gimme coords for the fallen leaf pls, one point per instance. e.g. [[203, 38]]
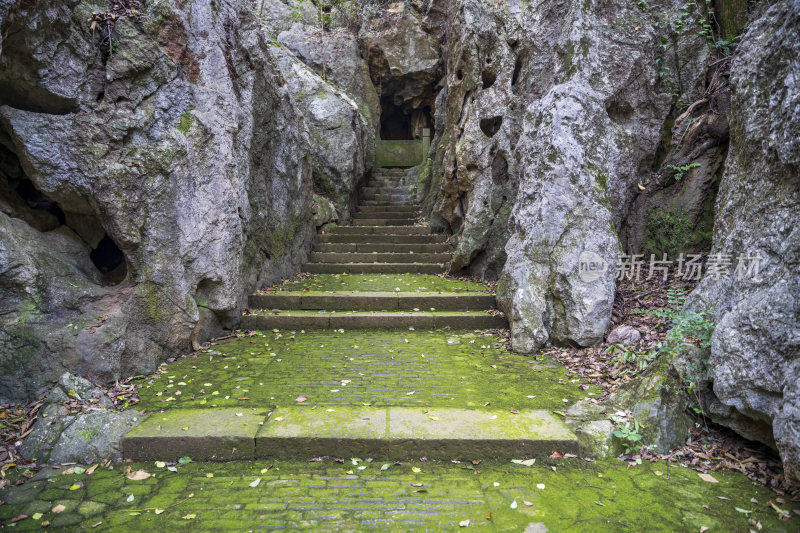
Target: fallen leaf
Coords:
[[514, 504], [158, 511], [185, 460], [58, 509], [416, 470], [75, 486], [91, 470], [463, 523], [209, 475], [527, 504], [37, 516], [703, 529], [300, 399], [556, 455], [540, 486], [160, 464], [18, 518], [255, 483], [139, 475], [130, 498], [97, 523], [191, 516], [708, 477]]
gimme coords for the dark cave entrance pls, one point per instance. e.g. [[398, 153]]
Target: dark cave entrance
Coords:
[[403, 122], [20, 199]]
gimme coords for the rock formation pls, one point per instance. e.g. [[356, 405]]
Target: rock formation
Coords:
[[752, 379], [150, 180]]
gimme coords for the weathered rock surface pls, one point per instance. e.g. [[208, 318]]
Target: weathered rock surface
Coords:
[[173, 175], [754, 367], [625, 335], [93, 435], [550, 117]]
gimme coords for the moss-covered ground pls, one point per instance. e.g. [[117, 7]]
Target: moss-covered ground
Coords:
[[380, 283], [561, 495], [459, 369]]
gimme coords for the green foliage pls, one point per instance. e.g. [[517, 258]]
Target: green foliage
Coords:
[[625, 354], [630, 436], [667, 231], [681, 170]]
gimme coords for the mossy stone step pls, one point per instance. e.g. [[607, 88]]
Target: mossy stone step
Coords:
[[385, 221], [389, 215], [373, 268], [383, 189], [367, 202], [384, 433], [364, 238], [384, 197], [318, 320], [388, 209], [372, 301], [420, 283], [380, 230], [356, 257], [384, 248]]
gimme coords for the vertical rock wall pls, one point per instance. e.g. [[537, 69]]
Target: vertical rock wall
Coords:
[[171, 146], [752, 377], [550, 117]]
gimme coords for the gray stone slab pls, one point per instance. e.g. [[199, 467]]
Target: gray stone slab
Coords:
[[219, 434]]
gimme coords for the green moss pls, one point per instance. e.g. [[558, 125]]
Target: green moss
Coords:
[[154, 304], [562, 495], [186, 122], [457, 369], [380, 283]]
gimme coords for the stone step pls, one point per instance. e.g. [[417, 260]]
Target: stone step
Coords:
[[363, 229], [383, 189], [377, 238], [323, 319], [385, 203], [372, 301], [384, 248], [382, 433], [373, 268], [356, 257], [385, 221], [393, 198], [410, 209], [383, 215]]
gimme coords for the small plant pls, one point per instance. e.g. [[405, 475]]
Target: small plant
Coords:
[[624, 354], [681, 170], [630, 436]]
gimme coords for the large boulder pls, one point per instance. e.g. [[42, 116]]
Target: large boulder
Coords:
[[149, 182], [549, 120], [754, 366]]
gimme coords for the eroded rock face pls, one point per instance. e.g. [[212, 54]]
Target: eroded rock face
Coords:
[[754, 365], [550, 117], [174, 177]]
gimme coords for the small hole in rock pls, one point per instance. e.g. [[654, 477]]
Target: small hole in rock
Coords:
[[517, 69], [490, 126], [460, 75], [100, 96], [488, 77], [110, 260]]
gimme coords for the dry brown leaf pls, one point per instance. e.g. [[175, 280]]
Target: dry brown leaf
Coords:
[[708, 477], [139, 475], [59, 509]]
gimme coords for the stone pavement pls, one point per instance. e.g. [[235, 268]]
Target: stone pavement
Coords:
[[357, 495]]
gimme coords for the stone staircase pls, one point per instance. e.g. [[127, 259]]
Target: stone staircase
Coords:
[[372, 356], [385, 237]]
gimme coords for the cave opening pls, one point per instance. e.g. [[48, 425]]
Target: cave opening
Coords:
[[109, 260], [403, 122], [21, 199]]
